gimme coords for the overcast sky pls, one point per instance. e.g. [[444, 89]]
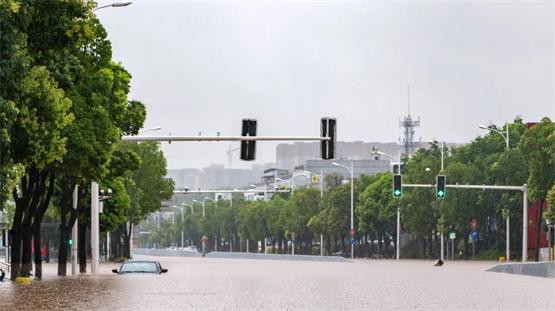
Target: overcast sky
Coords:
[[202, 66]]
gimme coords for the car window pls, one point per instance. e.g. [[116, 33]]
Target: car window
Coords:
[[139, 267]]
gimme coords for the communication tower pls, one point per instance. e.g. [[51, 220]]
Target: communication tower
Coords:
[[408, 124]]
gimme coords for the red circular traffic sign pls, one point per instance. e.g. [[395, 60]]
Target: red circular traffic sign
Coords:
[[474, 224], [352, 232]]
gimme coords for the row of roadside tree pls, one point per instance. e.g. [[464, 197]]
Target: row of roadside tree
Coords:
[[63, 109], [300, 218]]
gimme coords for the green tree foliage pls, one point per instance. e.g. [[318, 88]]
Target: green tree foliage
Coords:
[[536, 146]]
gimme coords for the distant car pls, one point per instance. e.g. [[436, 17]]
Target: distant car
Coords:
[[190, 249], [140, 266]]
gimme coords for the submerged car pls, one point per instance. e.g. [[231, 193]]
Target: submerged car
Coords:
[[140, 266]]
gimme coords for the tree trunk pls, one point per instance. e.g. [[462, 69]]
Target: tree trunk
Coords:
[[15, 239], [126, 237], [343, 248], [380, 244], [62, 250], [27, 251], [68, 216], [82, 247], [465, 248], [32, 188], [37, 219], [372, 251], [538, 229], [38, 251]]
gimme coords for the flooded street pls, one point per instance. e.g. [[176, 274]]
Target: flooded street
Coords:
[[239, 284]]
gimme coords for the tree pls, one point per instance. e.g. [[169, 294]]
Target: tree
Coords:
[[535, 145], [147, 186], [36, 144], [376, 211]]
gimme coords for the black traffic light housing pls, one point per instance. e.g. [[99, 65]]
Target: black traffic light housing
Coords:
[[328, 129], [440, 186], [248, 147], [397, 185]]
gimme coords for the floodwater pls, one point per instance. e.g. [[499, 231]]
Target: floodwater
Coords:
[[241, 284]]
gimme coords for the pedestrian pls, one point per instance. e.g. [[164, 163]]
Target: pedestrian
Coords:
[[203, 241]]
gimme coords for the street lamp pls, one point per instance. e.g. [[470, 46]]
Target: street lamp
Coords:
[[504, 135], [182, 205], [156, 128], [202, 202], [113, 5], [397, 158], [190, 206], [441, 148], [506, 138], [352, 231]]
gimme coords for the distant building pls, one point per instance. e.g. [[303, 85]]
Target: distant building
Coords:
[[269, 176], [295, 155], [289, 156], [188, 177], [218, 177]]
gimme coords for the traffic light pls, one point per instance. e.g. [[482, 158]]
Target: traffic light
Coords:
[[328, 129], [70, 242], [248, 147], [440, 186], [397, 186]]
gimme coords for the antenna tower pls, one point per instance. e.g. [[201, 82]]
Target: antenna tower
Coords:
[[408, 124]]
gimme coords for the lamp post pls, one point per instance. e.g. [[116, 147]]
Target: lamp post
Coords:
[[507, 224], [113, 5], [352, 205], [203, 205], [398, 237], [441, 148], [156, 128], [95, 224], [181, 208]]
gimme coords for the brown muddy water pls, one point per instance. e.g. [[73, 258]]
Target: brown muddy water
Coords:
[[241, 284]]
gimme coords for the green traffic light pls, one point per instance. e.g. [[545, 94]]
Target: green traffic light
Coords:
[[70, 242], [440, 194], [397, 185]]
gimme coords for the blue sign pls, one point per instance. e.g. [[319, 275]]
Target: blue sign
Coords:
[[474, 235], [353, 241]]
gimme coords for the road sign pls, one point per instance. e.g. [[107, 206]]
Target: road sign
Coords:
[[474, 236], [353, 241], [452, 235], [474, 224], [352, 232]]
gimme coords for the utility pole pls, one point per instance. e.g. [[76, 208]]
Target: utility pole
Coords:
[[321, 198]]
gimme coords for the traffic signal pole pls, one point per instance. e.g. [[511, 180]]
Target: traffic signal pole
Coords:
[[171, 139], [523, 189]]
